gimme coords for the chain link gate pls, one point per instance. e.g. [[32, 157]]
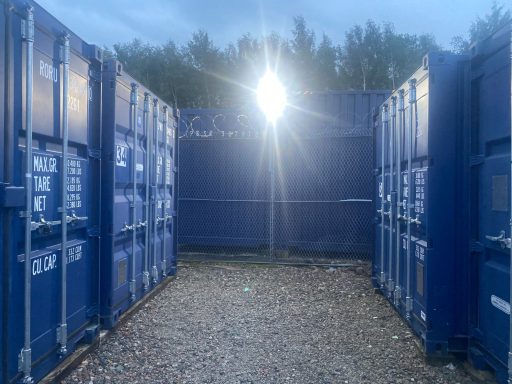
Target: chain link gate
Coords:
[[300, 192]]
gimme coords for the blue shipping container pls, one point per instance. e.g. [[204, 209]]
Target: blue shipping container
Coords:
[[138, 192], [490, 203], [50, 304], [420, 263]]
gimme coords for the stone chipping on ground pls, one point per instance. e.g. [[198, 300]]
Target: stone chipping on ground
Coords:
[[247, 324]]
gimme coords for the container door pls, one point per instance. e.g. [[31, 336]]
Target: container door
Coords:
[[46, 256], [129, 195], [491, 202]]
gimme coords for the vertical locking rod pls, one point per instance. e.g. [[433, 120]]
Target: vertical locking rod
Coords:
[[510, 269], [391, 134], [25, 358], [410, 206], [62, 334], [134, 101], [400, 134], [385, 121], [156, 216], [145, 121], [166, 190]]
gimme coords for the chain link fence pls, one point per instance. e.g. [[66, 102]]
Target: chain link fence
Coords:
[[300, 192]]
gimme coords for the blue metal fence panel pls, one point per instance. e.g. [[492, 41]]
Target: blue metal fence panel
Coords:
[[324, 176], [433, 273], [319, 159], [137, 213], [224, 181], [81, 247], [490, 199]]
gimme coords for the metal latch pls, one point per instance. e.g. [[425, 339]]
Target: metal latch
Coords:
[[505, 242], [74, 218], [141, 224], [159, 219], [127, 228], [415, 221], [42, 225]]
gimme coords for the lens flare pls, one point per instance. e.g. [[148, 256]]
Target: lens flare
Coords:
[[271, 96]]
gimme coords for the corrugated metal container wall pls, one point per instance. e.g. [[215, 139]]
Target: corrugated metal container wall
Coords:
[[137, 192], [324, 174], [428, 284], [224, 180], [490, 203], [60, 307]]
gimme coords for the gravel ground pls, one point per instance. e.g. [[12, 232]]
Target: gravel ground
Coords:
[[230, 324]]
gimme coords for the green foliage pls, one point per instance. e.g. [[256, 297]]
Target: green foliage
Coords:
[[199, 74], [482, 28], [326, 63], [379, 58], [303, 52]]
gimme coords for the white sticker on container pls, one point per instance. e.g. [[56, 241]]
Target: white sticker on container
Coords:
[[121, 155], [501, 304], [423, 316], [139, 167]]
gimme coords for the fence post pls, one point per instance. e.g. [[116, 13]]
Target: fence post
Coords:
[[272, 140]]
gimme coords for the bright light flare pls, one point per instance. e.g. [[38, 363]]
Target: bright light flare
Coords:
[[271, 96]]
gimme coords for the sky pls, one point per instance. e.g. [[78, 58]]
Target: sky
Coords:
[[106, 22]]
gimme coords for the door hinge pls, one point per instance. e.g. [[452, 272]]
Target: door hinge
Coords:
[[476, 247], [93, 232], [476, 160], [95, 153], [95, 75]]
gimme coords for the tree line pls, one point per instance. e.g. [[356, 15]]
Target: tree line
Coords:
[[201, 75]]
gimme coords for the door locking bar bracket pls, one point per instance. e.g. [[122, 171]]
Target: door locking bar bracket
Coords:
[[505, 242]]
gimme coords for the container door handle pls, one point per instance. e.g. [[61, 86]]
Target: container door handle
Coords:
[[416, 221], [141, 224], [42, 225], [74, 218], [505, 242], [127, 228]]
